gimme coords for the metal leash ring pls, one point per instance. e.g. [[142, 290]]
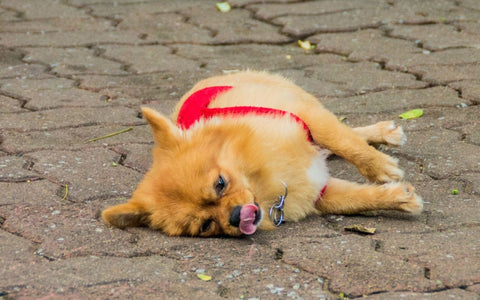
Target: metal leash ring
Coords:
[[276, 211]]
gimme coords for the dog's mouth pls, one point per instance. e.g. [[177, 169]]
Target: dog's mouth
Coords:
[[246, 218]]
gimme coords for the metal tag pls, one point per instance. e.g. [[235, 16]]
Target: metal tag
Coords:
[[276, 211]]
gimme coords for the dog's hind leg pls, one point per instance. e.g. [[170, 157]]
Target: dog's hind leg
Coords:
[[345, 197], [385, 132], [340, 139]]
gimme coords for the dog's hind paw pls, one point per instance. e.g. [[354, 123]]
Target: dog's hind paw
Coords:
[[392, 134], [406, 199]]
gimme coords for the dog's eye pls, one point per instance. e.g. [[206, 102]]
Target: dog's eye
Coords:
[[206, 225], [220, 185]]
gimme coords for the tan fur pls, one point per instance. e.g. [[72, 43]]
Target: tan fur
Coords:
[[255, 154]]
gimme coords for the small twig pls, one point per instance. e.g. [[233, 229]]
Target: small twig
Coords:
[[66, 192], [110, 135]]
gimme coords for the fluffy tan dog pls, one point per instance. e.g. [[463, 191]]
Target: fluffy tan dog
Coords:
[[239, 142]]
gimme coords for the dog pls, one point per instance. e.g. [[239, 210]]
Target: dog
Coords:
[[247, 151]]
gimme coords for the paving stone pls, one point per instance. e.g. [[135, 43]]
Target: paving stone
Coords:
[[242, 3], [16, 251], [73, 138], [235, 27], [397, 54], [369, 44], [269, 11], [393, 101], [427, 12], [51, 93], [159, 27], [469, 27], [165, 86], [436, 36], [24, 71], [260, 57], [16, 169], [443, 153], [36, 192], [353, 267], [56, 24], [449, 257], [348, 20], [122, 289], [137, 156], [471, 133], [470, 89], [445, 74], [474, 288], [53, 119], [8, 15], [348, 79], [89, 174], [443, 210], [62, 230], [47, 9], [69, 39], [59, 276], [117, 9], [437, 117], [73, 61], [9, 57], [149, 59], [9, 105], [471, 179], [443, 295]]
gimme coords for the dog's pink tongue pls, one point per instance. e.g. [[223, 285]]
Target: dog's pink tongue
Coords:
[[247, 218]]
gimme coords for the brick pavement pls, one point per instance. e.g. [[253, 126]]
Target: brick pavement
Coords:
[[73, 70]]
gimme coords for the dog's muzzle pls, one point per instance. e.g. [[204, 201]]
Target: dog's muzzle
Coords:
[[246, 218]]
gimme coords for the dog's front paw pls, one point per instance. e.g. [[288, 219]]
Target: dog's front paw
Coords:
[[405, 198], [381, 168], [392, 134]]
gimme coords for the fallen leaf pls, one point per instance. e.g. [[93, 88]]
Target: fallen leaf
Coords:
[[223, 7], [361, 229], [412, 114], [204, 277], [305, 45]]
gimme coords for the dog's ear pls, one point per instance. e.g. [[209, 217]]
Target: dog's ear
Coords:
[[126, 215], [165, 133]]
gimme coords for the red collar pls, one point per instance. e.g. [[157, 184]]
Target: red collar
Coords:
[[196, 108]]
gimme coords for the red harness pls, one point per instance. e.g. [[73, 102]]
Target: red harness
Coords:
[[195, 108]]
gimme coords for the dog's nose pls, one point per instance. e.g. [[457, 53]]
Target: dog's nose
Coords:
[[235, 216]]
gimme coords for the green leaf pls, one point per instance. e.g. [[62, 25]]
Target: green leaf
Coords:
[[412, 114], [204, 277], [223, 7]]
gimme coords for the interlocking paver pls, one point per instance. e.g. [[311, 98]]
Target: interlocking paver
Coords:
[[90, 174], [149, 59], [437, 36], [8, 104], [159, 27], [68, 117], [74, 70], [73, 138], [39, 191]]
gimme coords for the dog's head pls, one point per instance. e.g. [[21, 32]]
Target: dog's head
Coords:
[[198, 185]]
